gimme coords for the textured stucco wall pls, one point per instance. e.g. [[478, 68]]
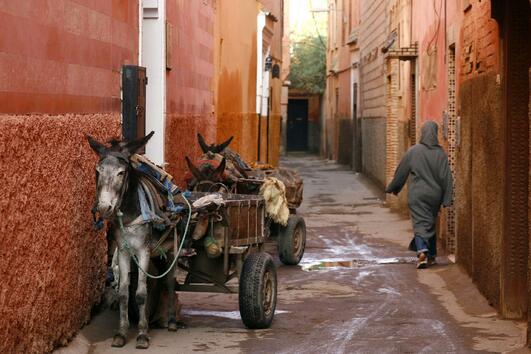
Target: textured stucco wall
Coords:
[[190, 94], [480, 187], [52, 264], [373, 149]]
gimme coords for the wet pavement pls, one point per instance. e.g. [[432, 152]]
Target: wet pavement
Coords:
[[355, 291]]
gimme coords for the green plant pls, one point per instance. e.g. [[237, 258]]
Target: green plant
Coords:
[[308, 64]]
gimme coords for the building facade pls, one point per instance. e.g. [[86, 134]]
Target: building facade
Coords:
[[372, 35], [61, 67], [464, 65], [342, 79], [248, 52]]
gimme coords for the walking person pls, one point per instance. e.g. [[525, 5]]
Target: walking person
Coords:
[[431, 186]]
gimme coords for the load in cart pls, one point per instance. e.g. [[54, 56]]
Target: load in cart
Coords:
[[223, 170]]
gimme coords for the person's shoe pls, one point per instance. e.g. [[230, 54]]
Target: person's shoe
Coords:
[[422, 262], [431, 261]]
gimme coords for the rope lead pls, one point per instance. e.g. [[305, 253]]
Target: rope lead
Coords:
[[125, 245]]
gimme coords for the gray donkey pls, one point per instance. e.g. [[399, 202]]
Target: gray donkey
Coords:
[[117, 196]]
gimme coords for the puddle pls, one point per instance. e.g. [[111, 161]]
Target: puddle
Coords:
[[232, 315], [336, 264]]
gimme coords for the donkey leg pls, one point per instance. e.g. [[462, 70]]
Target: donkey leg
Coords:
[[124, 264], [170, 284], [142, 341]]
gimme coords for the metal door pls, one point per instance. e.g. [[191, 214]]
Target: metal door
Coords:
[[134, 82], [297, 131]]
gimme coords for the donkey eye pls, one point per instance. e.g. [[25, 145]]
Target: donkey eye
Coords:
[[121, 173]]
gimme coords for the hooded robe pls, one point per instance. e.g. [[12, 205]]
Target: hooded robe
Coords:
[[431, 183]]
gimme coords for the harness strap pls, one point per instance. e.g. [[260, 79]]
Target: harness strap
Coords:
[[146, 209]]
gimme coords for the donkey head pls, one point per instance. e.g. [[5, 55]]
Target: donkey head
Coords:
[[113, 171], [217, 149], [207, 172]]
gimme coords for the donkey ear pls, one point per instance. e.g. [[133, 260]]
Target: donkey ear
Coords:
[[195, 171], [202, 143], [98, 147], [135, 145], [219, 148], [218, 172]]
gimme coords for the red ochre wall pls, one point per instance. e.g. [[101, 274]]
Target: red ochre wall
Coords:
[[59, 79], [235, 85], [189, 82]]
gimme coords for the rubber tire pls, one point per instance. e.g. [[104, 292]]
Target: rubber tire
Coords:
[[252, 284], [286, 251]]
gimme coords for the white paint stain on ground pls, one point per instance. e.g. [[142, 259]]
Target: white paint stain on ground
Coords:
[[388, 260], [362, 275], [390, 291], [232, 315]]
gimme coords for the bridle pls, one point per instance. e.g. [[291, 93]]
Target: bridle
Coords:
[[98, 220], [211, 185]]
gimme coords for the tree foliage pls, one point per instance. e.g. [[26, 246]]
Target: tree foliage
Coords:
[[308, 64]]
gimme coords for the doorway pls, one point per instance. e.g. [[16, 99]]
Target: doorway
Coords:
[[356, 130], [515, 243], [297, 130]]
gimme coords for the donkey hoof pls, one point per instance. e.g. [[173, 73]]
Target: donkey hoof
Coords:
[[174, 325], [142, 341], [118, 340]]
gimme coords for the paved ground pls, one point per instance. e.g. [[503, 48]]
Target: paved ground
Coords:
[[356, 291]]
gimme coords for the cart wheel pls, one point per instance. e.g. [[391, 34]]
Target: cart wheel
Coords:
[[292, 240], [258, 291]]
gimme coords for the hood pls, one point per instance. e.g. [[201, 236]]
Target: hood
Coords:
[[428, 135]]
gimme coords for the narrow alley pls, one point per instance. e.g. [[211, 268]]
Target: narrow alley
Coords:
[[355, 291], [250, 176]]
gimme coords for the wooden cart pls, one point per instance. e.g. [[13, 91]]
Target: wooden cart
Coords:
[[242, 267], [290, 239]]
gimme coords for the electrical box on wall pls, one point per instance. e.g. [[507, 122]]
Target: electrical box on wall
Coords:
[[150, 8], [134, 81]]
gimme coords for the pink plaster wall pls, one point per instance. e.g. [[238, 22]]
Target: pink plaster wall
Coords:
[[59, 78], [429, 23], [65, 55]]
